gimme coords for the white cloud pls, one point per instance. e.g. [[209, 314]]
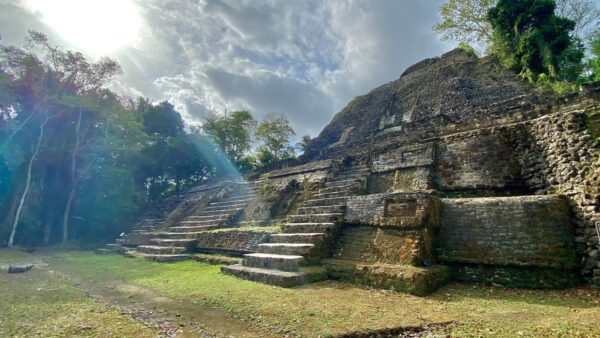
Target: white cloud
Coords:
[[305, 59]]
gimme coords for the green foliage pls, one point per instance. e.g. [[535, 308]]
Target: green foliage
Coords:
[[274, 132], [594, 62], [161, 119], [465, 21], [108, 158], [303, 144], [530, 38], [232, 133], [467, 48]]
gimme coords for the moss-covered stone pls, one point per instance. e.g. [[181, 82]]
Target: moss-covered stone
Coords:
[[514, 276], [402, 278]]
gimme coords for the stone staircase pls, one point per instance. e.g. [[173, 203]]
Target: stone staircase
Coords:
[[291, 258], [155, 215], [176, 242]]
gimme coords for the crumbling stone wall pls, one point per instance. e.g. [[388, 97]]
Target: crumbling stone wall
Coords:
[[404, 224], [281, 191], [521, 230], [557, 155], [232, 242], [475, 161], [523, 241]]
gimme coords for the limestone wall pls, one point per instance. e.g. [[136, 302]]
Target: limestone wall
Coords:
[[234, 242], [524, 241], [554, 154], [522, 231], [480, 162], [401, 228], [557, 155]]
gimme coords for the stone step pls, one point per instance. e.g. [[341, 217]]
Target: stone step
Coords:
[[161, 250], [310, 237], [179, 235], [273, 261], [214, 215], [347, 189], [231, 201], [321, 209], [173, 242], [238, 198], [331, 194], [346, 176], [326, 201], [166, 258], [301, 249], [194, 228], [226, 208], [354, 171], [217, 212], [241, 193], [201, 223], [343, 182], [324, 227], [315, 218], [279, 278]]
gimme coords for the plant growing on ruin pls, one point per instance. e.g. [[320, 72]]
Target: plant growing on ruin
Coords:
[[530, 38]]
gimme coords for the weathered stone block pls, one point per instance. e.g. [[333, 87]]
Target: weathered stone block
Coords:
[[516, 276], [405, 157], [408, 179], [522, 231], [233, 242], [483, 162], [402, 278], [393, 210]]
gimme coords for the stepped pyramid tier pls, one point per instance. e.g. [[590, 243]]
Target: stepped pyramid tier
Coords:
[[187, 229], [308, 235], [459, 170]]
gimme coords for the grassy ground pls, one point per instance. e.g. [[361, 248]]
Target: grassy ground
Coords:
[[332, 308], [40, 303]]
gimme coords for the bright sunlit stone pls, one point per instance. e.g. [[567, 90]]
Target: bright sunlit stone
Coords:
[[96, 26]]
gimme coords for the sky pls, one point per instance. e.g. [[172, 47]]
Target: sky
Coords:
[[304, 59]]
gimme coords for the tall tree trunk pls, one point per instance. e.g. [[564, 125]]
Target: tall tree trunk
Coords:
[[27, 182], [18, 129], [71, 197], [47, 231]]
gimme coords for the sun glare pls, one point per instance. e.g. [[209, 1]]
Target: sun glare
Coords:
[[97, 26]]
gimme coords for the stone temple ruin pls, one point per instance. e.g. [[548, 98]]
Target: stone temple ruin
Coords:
[[456, 171]]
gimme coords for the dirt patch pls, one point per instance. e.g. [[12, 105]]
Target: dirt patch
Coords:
[[171, 317]]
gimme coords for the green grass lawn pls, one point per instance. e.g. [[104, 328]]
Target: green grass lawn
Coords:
[[330, 308], [40, 303]]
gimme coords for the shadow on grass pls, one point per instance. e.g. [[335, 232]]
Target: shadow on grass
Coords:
[[577, 297]]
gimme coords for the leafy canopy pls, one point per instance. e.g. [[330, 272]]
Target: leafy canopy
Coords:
[[274, 132], [232, 133], [530, 38]]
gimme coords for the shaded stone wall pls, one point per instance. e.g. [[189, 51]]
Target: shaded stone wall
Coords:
[[281, 191], [523, 241], [522, 231], [557, 155], [375, 245], [476, 161], [230, 241], [403, 226]]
